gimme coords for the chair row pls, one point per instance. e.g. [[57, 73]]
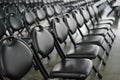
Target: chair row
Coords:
[[30, 39]]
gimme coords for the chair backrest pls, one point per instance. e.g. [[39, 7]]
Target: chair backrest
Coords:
[[85, 14], [33, 13], [42, 41], [71, 23], [14, 22], [78, 17], [80, 20], [60, 29], [29, 17], [91, 11], [97, 13], [15, 58], [95, 9], [57, 9], [49, 10], [40, 13]]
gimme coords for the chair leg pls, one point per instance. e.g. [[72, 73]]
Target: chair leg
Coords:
[[107, 53], [104, 63], [97, 73], [108, 42], [113, 32], [111, 37]]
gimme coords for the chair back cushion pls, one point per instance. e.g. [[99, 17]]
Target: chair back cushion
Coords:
[[15, 58], [42, 41]]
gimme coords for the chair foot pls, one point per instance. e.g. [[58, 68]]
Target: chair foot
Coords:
[[113, 33]]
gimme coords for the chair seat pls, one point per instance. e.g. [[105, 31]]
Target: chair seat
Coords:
[[98, 32], [105, 22], [85, 51], [107, 30], [72, 69], [108, 18], [93, 39], [102, 26]]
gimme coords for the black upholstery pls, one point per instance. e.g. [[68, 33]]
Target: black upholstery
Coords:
[[78, 17], [57, 9], [30, 20], [49, 10], [16, 58], [88, 51], [33, 14], [72, 68], [74, 29], [15, 23], [85, 14], [60, 29], [42, 45], [29, 17], [71, 23], [40, 13], [92, 39]]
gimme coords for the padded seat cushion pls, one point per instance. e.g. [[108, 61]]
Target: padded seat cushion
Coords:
[[72, 68], [102, 26], [105, 22], [98, 32], [108, 18], [85, 51], [93, 39]]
